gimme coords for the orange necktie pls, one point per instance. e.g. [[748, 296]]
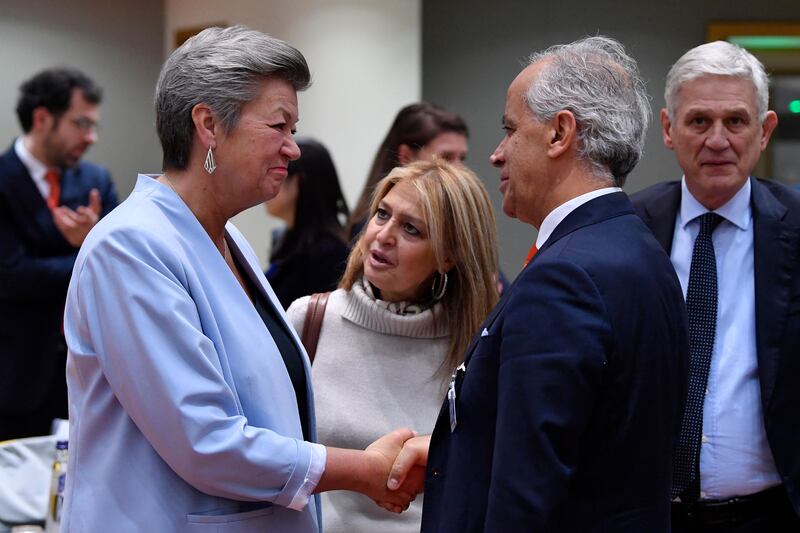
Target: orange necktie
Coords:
[[531, 253], [53, 199]]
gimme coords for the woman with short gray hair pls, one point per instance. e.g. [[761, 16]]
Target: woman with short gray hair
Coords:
[[190, 400]]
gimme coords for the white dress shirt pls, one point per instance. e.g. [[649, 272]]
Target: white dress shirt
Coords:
[[735, 458], [36, 168], [554, 218]]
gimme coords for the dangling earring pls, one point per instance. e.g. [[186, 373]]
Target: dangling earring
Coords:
[[210, 165], [438, 292]]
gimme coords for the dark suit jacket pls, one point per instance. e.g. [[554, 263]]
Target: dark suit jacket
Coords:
[[35, 267], [776, 248], [571, 401]]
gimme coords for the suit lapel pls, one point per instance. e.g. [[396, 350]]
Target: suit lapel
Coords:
[[262, 286], [595, 210], [660, 215], [592, 212], [495, 312], [31, 207], [774, 245], [25, 193], [72, 194]]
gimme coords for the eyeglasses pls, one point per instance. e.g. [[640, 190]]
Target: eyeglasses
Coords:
[[85, 124]]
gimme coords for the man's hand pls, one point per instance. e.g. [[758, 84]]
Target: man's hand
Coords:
[[75, 225], [413, 457], [383, 453]]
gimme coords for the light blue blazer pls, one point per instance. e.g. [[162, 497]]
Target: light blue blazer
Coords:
[[183, 416]]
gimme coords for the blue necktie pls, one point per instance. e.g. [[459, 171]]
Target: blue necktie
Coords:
[[701, 307]]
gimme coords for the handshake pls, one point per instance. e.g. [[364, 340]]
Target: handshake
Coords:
[[390, 471]]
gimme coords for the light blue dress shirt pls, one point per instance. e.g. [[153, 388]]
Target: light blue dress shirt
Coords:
[[735, 458]]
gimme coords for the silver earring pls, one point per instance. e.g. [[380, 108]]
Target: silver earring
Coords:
[[441, 280], [210, 165]]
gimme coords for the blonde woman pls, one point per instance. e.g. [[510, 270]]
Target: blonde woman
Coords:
[[418, 283]]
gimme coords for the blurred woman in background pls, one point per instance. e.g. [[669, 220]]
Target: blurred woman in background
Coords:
[[418, 284], [311, 253], [419, 131]]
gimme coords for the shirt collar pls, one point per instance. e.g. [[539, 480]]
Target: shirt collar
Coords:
[[554, 218], [36, 168], [736, 210]]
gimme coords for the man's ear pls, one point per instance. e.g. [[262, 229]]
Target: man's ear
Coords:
[[42, 119], [406, 154], [563, 131], [205, 124], [767, 127], [666, 128]]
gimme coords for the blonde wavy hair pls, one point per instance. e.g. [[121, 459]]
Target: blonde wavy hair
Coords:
[[461, 227]]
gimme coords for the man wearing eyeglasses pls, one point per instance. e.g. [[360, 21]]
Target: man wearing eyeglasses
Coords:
[[49, 200]]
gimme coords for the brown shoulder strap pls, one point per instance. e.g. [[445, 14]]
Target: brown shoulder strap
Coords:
[[313, 323]]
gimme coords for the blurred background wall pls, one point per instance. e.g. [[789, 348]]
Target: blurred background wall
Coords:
[[368, 58], [472, 51], [117, 43]]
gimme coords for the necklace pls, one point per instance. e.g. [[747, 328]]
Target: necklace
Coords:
[[224, 250]]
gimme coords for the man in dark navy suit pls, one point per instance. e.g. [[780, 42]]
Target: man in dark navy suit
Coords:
[[741, 466], [565, 415], [49, 200]]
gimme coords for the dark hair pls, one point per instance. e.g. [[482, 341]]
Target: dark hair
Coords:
[[52, 89], [415, 125], [320, 202], [223, 68]]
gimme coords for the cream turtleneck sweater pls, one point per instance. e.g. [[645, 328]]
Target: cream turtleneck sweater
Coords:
[[375, 370]]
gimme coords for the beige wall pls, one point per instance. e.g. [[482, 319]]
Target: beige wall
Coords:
[[365, 59], [117, 43], [473, 51]]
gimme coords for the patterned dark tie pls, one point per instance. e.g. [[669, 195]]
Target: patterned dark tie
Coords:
[[701, 306]]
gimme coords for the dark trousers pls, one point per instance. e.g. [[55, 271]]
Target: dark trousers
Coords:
[[766, 512], [39, 421]]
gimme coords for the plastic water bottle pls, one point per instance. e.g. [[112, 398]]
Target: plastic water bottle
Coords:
[[57, 485]]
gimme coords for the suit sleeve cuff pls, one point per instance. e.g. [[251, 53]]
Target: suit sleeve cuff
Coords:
[[315, 469]]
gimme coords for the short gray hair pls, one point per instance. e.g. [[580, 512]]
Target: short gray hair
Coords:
[[719, 58], [596, 80], [223, 68]]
